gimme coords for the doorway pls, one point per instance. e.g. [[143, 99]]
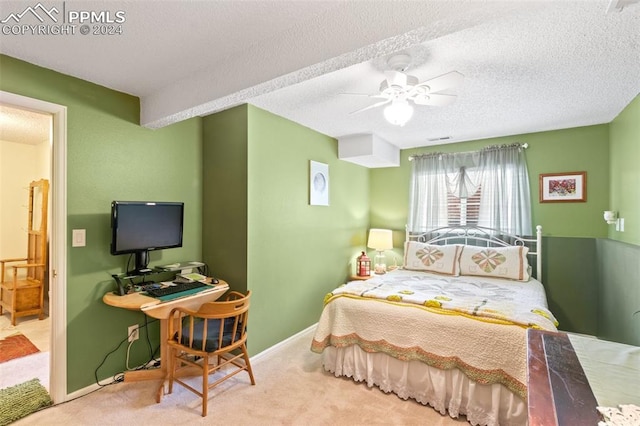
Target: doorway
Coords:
[[57, 234], [25, 157]]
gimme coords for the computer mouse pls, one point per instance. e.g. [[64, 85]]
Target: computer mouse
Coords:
[[214, 281]]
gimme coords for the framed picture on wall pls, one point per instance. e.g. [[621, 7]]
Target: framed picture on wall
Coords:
[[570, 187], [318, 184]]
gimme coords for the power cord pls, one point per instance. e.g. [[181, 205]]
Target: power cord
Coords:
[[152, 360], [119, 377]]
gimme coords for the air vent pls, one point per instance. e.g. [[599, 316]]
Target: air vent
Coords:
[[443, 138]]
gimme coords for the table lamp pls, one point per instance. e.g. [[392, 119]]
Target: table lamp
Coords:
[[380, 240]]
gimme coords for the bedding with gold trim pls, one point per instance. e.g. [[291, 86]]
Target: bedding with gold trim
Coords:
[[456, 343]]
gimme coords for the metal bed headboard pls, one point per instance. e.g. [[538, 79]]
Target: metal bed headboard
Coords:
[[483, 237]]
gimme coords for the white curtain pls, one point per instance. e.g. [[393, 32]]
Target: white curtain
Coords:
[[428, 193], [506, 199], [501, 172]]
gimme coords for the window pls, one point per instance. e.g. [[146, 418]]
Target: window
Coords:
[[463, 210], [488, 188]]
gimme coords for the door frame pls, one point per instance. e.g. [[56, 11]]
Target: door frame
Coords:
[[57, 261]]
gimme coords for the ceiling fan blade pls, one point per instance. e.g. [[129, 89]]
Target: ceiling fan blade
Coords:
[[396, 78], [377, 104], [377, 95], [435, 99], [450, 80]]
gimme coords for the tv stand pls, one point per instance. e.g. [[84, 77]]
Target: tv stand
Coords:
[[142, 261], [140, 272], [123, 287], [126, 281], [180, 266]]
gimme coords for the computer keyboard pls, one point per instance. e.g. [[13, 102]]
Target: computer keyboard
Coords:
[[176, 288]]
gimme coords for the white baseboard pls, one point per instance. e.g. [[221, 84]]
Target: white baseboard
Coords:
[[270, 349], [82, 392]]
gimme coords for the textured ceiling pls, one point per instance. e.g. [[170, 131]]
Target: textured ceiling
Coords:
[[23, 126], [528, 66], [549, 68]]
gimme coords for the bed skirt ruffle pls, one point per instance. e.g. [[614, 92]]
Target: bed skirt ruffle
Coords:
[[448, 391]]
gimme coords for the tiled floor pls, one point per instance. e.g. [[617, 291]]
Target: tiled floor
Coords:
[[32, 366], [38, 331]]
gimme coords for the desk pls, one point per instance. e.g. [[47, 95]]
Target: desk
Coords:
[[156, 308], [570, 375]]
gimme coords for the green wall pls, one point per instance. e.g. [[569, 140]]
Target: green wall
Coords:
[[570, 272], [619, 292], [297, 252], [624, 197], [224, 225], [260, 233], [109, 156], [619, 295], [578, 149], [571, 281], [247, 213]]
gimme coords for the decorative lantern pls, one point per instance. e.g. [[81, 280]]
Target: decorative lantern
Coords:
[[363, 265]]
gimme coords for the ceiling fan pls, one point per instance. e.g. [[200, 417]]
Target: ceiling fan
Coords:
[[401, 90]]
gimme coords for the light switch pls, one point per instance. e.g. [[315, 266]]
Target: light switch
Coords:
[[79, 238]]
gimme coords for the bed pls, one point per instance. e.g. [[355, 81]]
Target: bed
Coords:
[[448, 328]]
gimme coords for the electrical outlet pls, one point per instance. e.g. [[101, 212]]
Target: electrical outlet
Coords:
[[134, 333]]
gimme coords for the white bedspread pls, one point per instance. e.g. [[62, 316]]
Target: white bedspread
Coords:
[[487, 349], [486, 299]]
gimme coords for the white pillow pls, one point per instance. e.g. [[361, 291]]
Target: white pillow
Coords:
[[496, 262], [432, 258]]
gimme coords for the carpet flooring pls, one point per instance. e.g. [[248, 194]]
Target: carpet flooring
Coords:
[[16, 346], [291, 388]]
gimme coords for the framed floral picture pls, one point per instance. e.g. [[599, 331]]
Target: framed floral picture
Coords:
[[568, 187]]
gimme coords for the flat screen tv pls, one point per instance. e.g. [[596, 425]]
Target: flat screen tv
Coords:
[[137, 227]]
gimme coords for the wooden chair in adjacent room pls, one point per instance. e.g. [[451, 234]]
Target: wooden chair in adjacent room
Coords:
[[212, 339], [22, 280]]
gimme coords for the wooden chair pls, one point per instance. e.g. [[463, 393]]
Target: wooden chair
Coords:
[[216, 332], [22, 290]]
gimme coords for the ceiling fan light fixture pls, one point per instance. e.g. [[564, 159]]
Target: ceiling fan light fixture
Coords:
[[398, 113]]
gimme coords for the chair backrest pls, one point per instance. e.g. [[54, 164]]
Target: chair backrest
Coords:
[[215, 326], [37, 230]]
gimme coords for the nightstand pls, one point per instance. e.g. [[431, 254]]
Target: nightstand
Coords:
[[359, 278]]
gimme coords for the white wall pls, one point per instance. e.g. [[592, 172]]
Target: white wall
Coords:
[[19, 165], [43, 162]]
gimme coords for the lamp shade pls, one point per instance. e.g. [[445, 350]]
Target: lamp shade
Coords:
[[380, 239]]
